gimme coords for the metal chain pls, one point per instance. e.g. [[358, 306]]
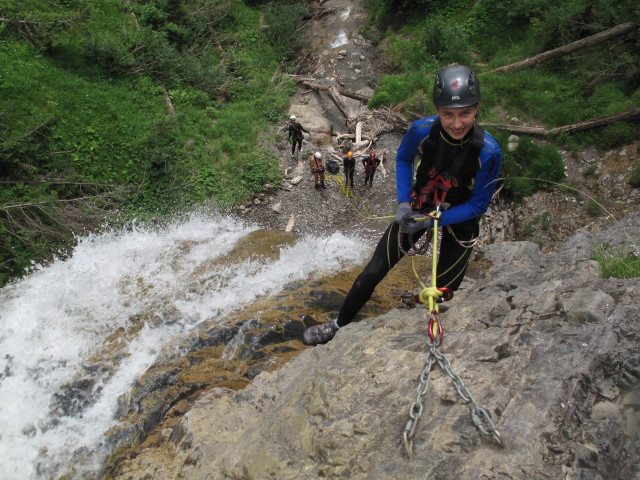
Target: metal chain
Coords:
[[479, 416]]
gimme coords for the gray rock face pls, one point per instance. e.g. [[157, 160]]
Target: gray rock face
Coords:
[[548, 348]]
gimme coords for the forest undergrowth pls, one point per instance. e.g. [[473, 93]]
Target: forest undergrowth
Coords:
[[116, 110]]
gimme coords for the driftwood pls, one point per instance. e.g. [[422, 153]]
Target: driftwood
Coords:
[[314, 85], [629, 114], [337, 100], [569, 48]]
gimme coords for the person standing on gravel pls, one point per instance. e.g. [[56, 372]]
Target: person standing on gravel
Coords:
[[295, 135], [316, 163], [458, 164], [349, 166], [370, 164]]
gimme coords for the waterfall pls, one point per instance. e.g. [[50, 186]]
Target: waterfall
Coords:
[[76, 334]]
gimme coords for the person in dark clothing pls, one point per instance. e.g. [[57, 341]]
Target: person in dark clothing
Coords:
[[295, 135], [458, 165], [349, 166], [370, 164]]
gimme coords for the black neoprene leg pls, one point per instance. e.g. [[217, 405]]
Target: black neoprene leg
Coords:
[[293, 147], [385, 256], [454, 258]]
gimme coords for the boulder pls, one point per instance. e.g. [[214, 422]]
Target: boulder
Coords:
[[543, 344]]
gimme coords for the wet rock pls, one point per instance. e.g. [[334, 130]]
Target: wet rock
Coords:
[[549, 375]]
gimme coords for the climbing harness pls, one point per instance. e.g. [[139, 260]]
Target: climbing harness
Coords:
[[432, 295]]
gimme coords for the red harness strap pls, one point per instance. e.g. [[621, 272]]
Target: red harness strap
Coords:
[[434, 193]]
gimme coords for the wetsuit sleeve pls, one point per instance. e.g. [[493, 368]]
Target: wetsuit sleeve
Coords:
[[483, 189], [406, 155]]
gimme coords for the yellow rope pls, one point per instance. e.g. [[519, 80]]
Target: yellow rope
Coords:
[[359, 204]]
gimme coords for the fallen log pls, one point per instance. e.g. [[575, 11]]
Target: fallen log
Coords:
[[629, 114], [569, 48], [515, 128], [337, 100], [314, 85]]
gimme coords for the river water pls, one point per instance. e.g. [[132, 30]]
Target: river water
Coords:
[[77, 333]]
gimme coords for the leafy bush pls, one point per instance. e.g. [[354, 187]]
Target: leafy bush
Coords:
[[280, 16], [394, 89], [446, 41], [531, 167]]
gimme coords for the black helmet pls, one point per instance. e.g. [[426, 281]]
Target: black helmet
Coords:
[[456, 86]]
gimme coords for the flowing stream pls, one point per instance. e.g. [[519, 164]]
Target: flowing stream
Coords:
[[99, 319]]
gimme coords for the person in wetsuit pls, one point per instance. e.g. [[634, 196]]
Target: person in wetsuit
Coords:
[[295, 135], [349, 166], [454, 154], [370, 164]]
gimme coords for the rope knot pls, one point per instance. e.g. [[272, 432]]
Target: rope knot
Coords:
[[429, 292]]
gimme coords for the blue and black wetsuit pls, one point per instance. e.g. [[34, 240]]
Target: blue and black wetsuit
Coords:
[[468, 202]]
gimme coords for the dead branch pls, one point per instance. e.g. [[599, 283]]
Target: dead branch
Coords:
[[629, 114], [569, 48], [314, 85], [167, 100]]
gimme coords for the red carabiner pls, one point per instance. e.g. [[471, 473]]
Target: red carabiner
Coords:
[[435, 338], [447, 293]]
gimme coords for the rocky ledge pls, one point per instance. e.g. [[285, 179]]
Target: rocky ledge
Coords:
[[544, 344]]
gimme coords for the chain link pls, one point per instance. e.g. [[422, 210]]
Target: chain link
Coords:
[[479, 416]]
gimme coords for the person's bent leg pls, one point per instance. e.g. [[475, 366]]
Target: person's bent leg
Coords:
[[454, 258], [385, 256]]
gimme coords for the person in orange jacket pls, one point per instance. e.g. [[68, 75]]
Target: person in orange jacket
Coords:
[[316, 163]]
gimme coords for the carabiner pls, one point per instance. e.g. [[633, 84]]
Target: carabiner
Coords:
[[435, 331], [447, 293]]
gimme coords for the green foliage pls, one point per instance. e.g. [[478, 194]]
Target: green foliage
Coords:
[[635, 176], [285, 40], [445, 40], [393, 89], [540, 224], [84, 127], [590, 171], [594, 208], [618, 263], [531, 167]]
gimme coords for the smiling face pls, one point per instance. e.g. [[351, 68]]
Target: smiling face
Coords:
[[457, 122]]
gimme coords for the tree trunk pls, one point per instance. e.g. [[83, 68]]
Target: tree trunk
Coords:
[[569, 48], [167, 100], [336, 98], [312, 84], [629, 114]]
